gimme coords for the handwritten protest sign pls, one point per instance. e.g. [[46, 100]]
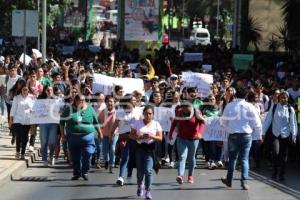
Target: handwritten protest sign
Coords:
[[199, 80], [214, 131], [163, 116], [193, 57], [45, 111], [106, 84]]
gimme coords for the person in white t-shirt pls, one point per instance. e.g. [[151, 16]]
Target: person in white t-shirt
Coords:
[[294, 91], [125, 117], [145, 131], [19, 120]]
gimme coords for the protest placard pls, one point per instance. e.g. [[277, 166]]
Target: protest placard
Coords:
[[45, 111], [163, 115], [105, 84], [201, 81], [2, 79], [207, 67], [214, 131], [242, 61], [193, 57]]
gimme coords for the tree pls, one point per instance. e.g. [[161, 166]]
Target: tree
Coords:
[[251, 32], [273, 43], [291, 16]]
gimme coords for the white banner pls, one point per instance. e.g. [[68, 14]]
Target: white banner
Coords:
[[214, 131], [163, 115], [45, 111], [141, 20], [105, 84], [193, 57], [201, 81]]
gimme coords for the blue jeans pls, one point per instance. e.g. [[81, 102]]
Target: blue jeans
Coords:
[[239, 145], [48, 135], [98, 142], [81, 147], [124, 159], [144, 165], [2, 105], [109, 149], [186, 150]]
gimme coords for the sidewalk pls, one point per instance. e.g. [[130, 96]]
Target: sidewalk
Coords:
[[9, 165]]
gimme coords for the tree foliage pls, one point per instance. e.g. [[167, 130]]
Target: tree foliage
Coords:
[[10, 5], [291, 16], [252, 32]]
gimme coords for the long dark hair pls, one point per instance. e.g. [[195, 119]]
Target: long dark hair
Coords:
[[14, 91], [43, 95]]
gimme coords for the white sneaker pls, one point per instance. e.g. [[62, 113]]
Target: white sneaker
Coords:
[[52, 161], [167, 159], [120, 181], [220, 164], [172, 164], [31, 149], [213, 165], [207, 165], [45, 163]]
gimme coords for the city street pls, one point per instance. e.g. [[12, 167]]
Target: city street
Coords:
[[54, 183]]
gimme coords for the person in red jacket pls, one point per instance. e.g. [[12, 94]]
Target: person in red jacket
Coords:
[[189, 125]]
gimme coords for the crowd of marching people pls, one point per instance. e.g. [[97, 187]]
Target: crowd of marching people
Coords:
[[118, 129]]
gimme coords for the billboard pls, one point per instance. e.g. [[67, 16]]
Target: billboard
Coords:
[[31, 23], [141, 20]]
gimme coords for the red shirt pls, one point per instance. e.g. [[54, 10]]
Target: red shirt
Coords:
[[189, 129]]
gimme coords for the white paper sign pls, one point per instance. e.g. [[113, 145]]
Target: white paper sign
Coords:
[[214, 131], [163, 115], [37, 53], [133, 65], [27, 59], [207, 67], [192, 57], [105, 84], [2, 79], [201, 81], [45, 111]]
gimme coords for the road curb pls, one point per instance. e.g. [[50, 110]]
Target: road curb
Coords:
[[16, 170]]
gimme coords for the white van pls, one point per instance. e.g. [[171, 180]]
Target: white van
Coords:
[[200, 36]]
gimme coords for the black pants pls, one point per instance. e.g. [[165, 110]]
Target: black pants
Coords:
[[21, 133], [280, 148], [256, 152]]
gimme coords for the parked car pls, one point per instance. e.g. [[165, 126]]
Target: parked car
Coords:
[[200, 36]]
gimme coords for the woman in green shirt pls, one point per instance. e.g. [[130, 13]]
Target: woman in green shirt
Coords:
[[79, 124]]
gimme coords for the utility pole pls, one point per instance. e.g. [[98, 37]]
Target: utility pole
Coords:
[[44, 30], [24, 38], [236, 18], [38, 37]]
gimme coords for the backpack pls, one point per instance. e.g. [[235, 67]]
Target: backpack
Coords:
[[269, 131]]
